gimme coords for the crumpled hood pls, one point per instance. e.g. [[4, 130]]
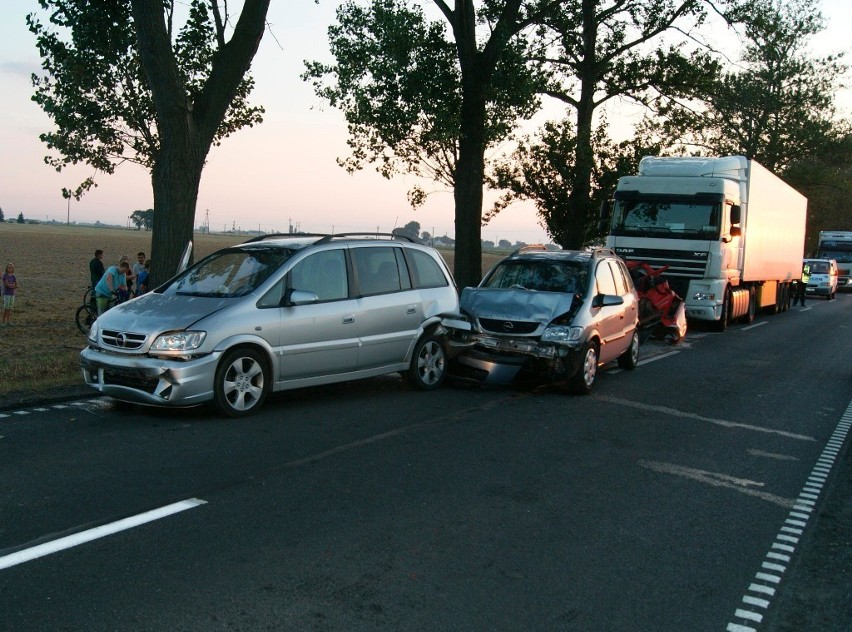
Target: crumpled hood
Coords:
[[156, 313], [525, 305]]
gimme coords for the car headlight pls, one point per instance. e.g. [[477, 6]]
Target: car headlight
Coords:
[[704, 296], [93, 333], [179, 341], [562, 333]]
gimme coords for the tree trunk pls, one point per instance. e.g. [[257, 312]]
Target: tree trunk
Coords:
[[176, 177], [468, 188]]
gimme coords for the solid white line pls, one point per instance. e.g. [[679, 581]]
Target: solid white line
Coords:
[[67, 542], [763, 322]]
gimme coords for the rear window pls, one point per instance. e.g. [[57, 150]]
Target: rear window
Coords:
[[427, 271]]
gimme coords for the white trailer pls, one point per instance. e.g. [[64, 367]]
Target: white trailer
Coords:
[[731, 233], [837, 245]]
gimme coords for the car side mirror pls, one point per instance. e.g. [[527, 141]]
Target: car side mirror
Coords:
[[294, 297], [606, 300]]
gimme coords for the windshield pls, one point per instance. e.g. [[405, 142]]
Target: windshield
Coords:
[[819, 267], [230, 273], [841, 256], [545, 276], [668, 216]]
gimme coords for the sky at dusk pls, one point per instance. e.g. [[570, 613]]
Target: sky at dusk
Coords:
[[269, 177]]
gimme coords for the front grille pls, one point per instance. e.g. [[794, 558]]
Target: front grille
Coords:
[[124, 340], [130, 378], [684, 265], [507, 327], [688, 264]]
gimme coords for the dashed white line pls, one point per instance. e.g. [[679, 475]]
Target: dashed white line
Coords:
[[798, 517]]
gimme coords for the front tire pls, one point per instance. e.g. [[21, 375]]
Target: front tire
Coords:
[[630, 358], [428, 367], [584, 380], [241, 383], [723, 322]]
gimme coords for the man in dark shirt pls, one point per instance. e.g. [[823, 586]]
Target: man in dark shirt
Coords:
[[96, 271]]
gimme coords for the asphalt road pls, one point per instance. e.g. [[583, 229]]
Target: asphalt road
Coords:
[[706, 490]]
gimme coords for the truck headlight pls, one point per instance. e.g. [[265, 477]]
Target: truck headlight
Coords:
[[179, 341], [704, 296], [562, 333]]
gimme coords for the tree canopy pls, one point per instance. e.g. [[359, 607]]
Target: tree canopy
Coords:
[[425, 97], [123, 82]]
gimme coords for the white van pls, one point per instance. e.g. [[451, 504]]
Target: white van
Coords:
[[823, 279]]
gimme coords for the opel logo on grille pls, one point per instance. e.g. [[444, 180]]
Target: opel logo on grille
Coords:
[[121, 340], [508, 326]]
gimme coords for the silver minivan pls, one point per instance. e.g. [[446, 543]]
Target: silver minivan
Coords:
[[273, 314]]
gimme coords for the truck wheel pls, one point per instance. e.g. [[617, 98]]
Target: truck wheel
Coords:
[[630, 358], [748, 317], [724, 321], [582, 382], [428, 364], [241, 383]]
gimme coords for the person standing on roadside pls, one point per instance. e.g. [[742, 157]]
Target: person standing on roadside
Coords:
[[142, 278], [96, 268], [96, 273], [125, 293], [802, 285], [138, 268], [10, 284], [112, 283]]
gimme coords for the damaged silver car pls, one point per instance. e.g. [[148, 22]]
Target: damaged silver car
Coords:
[[278, 312], [555, 316]]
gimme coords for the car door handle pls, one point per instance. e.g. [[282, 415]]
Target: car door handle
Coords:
[[348, 320]]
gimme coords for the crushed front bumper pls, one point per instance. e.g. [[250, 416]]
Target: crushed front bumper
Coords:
[[148, 380], [500, 360]]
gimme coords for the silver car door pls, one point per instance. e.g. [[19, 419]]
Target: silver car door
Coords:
[[610, 317], [319, 338], [389, 311]]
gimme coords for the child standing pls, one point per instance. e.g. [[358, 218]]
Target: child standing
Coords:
[[10, 284]]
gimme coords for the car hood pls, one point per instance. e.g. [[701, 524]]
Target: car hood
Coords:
[[526, 305], [155, 313]]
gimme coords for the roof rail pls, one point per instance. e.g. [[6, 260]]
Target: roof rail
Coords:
[[530, 248], [409, 238], [277, 235]]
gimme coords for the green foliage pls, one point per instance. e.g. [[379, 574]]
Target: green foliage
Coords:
[[143, 219], [21, 219], [543, 169], [592, 54], [825, 178], [778, 107], [397, 80], [94, 89]]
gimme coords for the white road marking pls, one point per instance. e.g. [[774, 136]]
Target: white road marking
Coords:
[[797, 518], [673, 412], [715, 479], [76, 539], [752, 326]]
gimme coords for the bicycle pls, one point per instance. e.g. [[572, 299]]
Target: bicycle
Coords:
[[87, 313]]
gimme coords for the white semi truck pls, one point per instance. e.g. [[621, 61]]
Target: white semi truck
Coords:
[[837, 245], [731, 233]]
